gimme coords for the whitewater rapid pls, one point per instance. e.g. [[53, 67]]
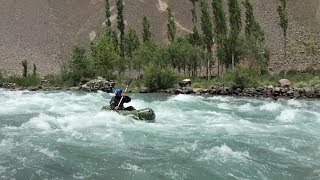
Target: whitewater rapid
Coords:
[[65, 135]]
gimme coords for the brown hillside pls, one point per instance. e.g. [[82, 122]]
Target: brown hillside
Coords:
[[43, 31]]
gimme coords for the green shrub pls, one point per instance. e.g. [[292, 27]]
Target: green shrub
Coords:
[[27, 81], [156, 78], [54, 80], [79, 67], [241, 78]]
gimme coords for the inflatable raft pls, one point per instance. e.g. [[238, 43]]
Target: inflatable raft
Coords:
[[146, 114]]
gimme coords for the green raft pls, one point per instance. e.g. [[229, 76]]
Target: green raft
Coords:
[[146, 114]]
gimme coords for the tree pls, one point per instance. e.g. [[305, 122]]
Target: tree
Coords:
[[255, 40], [132, 43], [145, 55], [195, 37], [235, 27], [112, 34], [25, 68], [183, 56], [104, 55], [283, 14], [108, 13], [206, 26], [121, 25], [171, 26], [146, 36], [34, 72], [220, 27], [79, 66]]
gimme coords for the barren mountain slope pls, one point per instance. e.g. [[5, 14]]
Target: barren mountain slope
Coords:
[[44, 31]]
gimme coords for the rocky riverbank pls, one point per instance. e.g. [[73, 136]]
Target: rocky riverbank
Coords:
[[86, 85], [283, 90]]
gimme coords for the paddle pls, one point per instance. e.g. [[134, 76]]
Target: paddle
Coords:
[[128, 83]]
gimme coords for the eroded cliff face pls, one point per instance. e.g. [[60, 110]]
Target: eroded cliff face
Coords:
[[44, 31]]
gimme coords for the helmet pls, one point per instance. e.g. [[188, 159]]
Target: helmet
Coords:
[[118, 91]]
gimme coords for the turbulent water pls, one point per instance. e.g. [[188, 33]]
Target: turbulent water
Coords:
[[65, 135]]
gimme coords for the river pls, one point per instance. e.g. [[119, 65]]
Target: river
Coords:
[[65, 135]]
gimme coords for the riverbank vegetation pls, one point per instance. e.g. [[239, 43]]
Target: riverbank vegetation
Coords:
[[225, 52]]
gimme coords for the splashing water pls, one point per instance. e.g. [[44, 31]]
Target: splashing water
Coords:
[[65, 135]]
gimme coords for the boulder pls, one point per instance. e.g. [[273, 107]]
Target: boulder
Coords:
[[284, 83], [97, 84], [270, 87], [180, 91], [276, 91], [213, 91], [185, 83], [296, 93], [34, 88], [189, 90], [317, 92], [74, 88], [198, 90], [144, 90], [309, 92], [10, 86]]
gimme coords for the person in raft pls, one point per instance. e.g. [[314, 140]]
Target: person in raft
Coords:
[[114, 103]]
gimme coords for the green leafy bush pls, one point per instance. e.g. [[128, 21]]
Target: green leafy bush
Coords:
[[156, 78]]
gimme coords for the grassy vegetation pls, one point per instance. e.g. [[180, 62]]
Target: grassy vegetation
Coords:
[[244, 78], [29, 80], [157, 78]]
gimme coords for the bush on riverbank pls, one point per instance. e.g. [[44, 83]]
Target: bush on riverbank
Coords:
[[28, 81], [156, 78], [246, 77], [78, 67]]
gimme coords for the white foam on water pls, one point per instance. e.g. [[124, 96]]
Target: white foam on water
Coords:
[[295, 103], [174, 174], [2, 169], [179, 149], [221, 98], [75, 122], [287, 115], [270, 106], [246, 107], [185, 98], [132, 167], [225, 106], [6, 145], [47, 152], [41, 122], [79, 175], [224, 153]]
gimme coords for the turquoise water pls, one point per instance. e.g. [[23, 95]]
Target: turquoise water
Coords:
[[64, 135]]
